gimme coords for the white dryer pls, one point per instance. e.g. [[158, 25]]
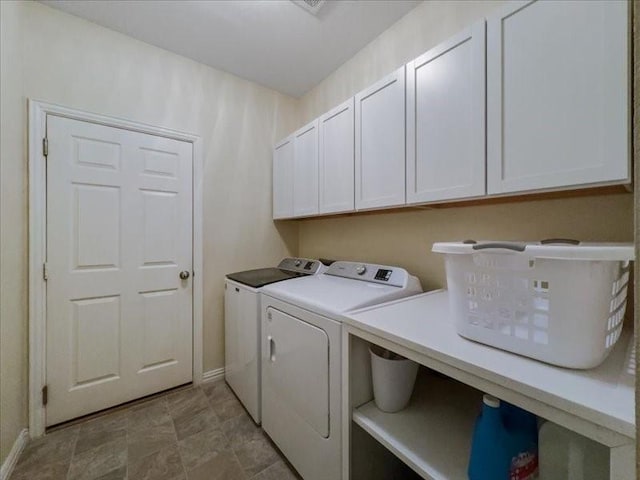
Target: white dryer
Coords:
[[301, 357], [242, 325]]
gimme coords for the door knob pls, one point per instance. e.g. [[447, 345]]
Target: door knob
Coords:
[[184, 274]]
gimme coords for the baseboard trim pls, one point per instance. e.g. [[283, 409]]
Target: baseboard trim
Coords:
[[213, 375], [12, 459]]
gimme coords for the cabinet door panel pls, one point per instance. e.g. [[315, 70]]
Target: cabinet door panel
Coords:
[[305, 170], [380, 143], [557, 98], [337, 159], [283, 179], [446, 120]]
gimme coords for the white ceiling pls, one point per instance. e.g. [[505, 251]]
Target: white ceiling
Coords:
[[271, 42]]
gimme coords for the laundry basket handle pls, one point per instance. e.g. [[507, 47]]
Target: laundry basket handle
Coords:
[[516, 247], [568, 241]]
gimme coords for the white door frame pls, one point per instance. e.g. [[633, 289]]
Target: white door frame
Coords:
[[38, 112]]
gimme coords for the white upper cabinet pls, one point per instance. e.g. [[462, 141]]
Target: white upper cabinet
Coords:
[[337, 159], [536, 99], [557, 95], [305, 170], [283, 179], [380, 143], [446, 120]]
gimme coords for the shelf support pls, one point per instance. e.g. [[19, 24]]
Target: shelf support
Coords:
[[623, 462]]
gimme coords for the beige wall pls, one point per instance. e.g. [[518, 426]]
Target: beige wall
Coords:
[[405, 238], [58, 58], [13, 235]]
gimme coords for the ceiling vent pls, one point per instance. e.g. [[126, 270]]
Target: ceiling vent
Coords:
[[311, 6]]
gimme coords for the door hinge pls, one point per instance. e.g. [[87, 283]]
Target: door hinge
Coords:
[[45, 272], [45, 146], [45, 395]]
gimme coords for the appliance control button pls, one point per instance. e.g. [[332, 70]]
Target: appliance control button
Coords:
[[361, 269], [298, 263]]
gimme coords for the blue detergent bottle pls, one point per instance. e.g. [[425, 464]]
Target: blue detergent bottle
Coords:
[[522, 442], [490, 458]]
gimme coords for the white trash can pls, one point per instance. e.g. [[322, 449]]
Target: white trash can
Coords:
[[393, 379]]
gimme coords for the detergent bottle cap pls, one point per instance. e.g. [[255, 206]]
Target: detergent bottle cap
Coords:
[[490, 401]]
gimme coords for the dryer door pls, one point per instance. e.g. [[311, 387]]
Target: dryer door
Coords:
[[296, 371]]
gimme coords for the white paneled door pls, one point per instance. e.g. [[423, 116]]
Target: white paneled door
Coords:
[[557, 95], [305, 170], [380, 143], [283, 179], [336, 159], [446, 120], [119, 264]]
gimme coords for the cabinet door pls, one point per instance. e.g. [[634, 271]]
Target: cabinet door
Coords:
[[305, 170], [283, 179], [380, 143], [337, 159], [557, 96], [446, 120]]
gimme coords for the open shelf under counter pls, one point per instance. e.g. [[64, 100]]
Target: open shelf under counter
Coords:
[[598, 403], [433, 434]]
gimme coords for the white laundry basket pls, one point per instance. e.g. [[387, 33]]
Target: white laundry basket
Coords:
[[559, 302]]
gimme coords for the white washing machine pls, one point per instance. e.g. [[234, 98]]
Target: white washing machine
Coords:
[[301, 357], [242, 325]]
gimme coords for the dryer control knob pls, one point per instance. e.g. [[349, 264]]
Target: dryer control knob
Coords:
[[361, 269], [298, 263]]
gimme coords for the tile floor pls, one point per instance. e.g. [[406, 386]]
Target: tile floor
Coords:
[[199, 433]]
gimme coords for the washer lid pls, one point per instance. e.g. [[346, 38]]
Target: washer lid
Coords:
[[287, 268], [262, 276]]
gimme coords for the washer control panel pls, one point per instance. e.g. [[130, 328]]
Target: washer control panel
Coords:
[[300, 265], [382, 274]]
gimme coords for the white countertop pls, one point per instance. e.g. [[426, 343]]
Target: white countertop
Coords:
[[603, 396]]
